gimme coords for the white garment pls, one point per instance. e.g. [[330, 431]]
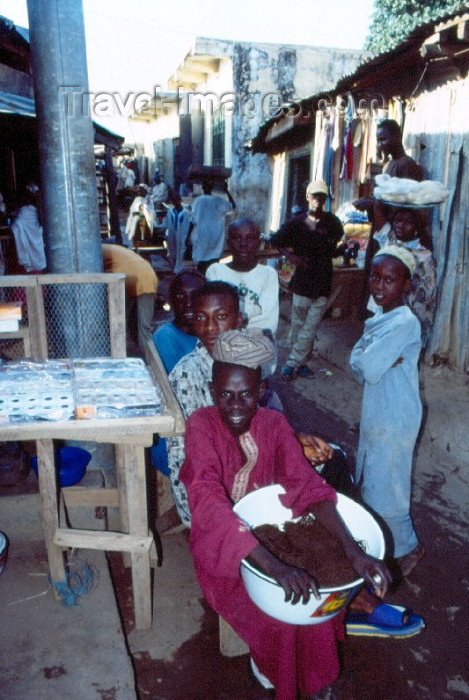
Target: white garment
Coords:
[[208, 237], [29, 239], [159, 193], [140, 205], [258, 292]]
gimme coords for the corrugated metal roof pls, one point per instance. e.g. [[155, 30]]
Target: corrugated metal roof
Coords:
[[368, 68], [16, 104], [25, 107]]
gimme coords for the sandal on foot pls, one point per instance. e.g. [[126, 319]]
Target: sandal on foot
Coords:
[[385, 621], [287, 373], [409, 561], [326, 693], [305, 372]]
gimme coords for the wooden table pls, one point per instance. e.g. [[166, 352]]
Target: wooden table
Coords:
[[130, 436]]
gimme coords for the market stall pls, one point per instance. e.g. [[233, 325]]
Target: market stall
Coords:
[[115, 400]]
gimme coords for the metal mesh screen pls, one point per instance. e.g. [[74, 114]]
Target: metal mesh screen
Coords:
[[76, 320]]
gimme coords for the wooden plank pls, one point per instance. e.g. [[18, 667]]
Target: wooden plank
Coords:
[[37, 322], [122, 487], [18, 281], [116, 310], [141, 587], [137, 511], [107, 541], [49, 507], [159, 372], [137, 430], [82, 496], [79, 278]]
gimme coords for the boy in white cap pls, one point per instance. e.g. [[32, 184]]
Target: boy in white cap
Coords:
[[385, 360], [233, 448], [309, 242]]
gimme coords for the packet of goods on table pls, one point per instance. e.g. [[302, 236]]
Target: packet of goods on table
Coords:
[[10, 316], [34, 390], [115, 388]]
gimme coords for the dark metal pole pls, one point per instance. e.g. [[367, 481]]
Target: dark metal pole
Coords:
[[68, 177]]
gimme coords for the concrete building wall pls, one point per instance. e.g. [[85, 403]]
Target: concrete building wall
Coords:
[[264, 77], [251, 81]]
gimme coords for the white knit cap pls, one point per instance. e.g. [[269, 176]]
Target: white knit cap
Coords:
[[401, 253]]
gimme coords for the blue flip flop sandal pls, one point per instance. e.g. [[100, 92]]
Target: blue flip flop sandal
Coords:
[[385, 621]]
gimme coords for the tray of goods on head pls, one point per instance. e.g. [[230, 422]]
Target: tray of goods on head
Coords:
[[409, 194]]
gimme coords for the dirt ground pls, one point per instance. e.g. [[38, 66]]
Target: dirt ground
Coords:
[[432, 664], [179, 658]]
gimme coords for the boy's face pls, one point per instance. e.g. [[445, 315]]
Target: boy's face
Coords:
[[404, 226], [243, 242], [182, 301], [236, 391], [388, 282], [215, 314]]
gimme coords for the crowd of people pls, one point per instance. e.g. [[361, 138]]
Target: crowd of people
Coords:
[[234, 442], [220, 353]]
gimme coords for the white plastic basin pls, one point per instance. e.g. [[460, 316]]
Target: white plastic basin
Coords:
[[263, 506]]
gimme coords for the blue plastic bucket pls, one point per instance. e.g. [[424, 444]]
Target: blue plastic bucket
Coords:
[[71, 464]]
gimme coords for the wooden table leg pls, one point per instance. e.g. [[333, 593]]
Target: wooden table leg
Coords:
[[137, 512], [49, 507]]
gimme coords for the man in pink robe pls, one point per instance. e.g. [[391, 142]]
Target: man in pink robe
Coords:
[[225, 460]]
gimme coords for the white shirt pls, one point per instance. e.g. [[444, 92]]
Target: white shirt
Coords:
[[208, 237], [258, 292]]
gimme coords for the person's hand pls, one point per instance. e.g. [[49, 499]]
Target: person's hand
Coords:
[[374, 571], [363, 203], [316, 450], [297, 260], [297, 583]]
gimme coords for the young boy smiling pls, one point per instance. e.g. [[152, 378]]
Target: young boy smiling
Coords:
[[233, 448], [385, 360], [257, 284]]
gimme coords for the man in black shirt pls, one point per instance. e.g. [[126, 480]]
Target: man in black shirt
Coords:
[[309, 241]]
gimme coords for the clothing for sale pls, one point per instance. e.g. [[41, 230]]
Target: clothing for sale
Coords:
[[177, 228], [317, 243], [208, 236], [290, 656], [385, 362], [189, 381], [258, 293]]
